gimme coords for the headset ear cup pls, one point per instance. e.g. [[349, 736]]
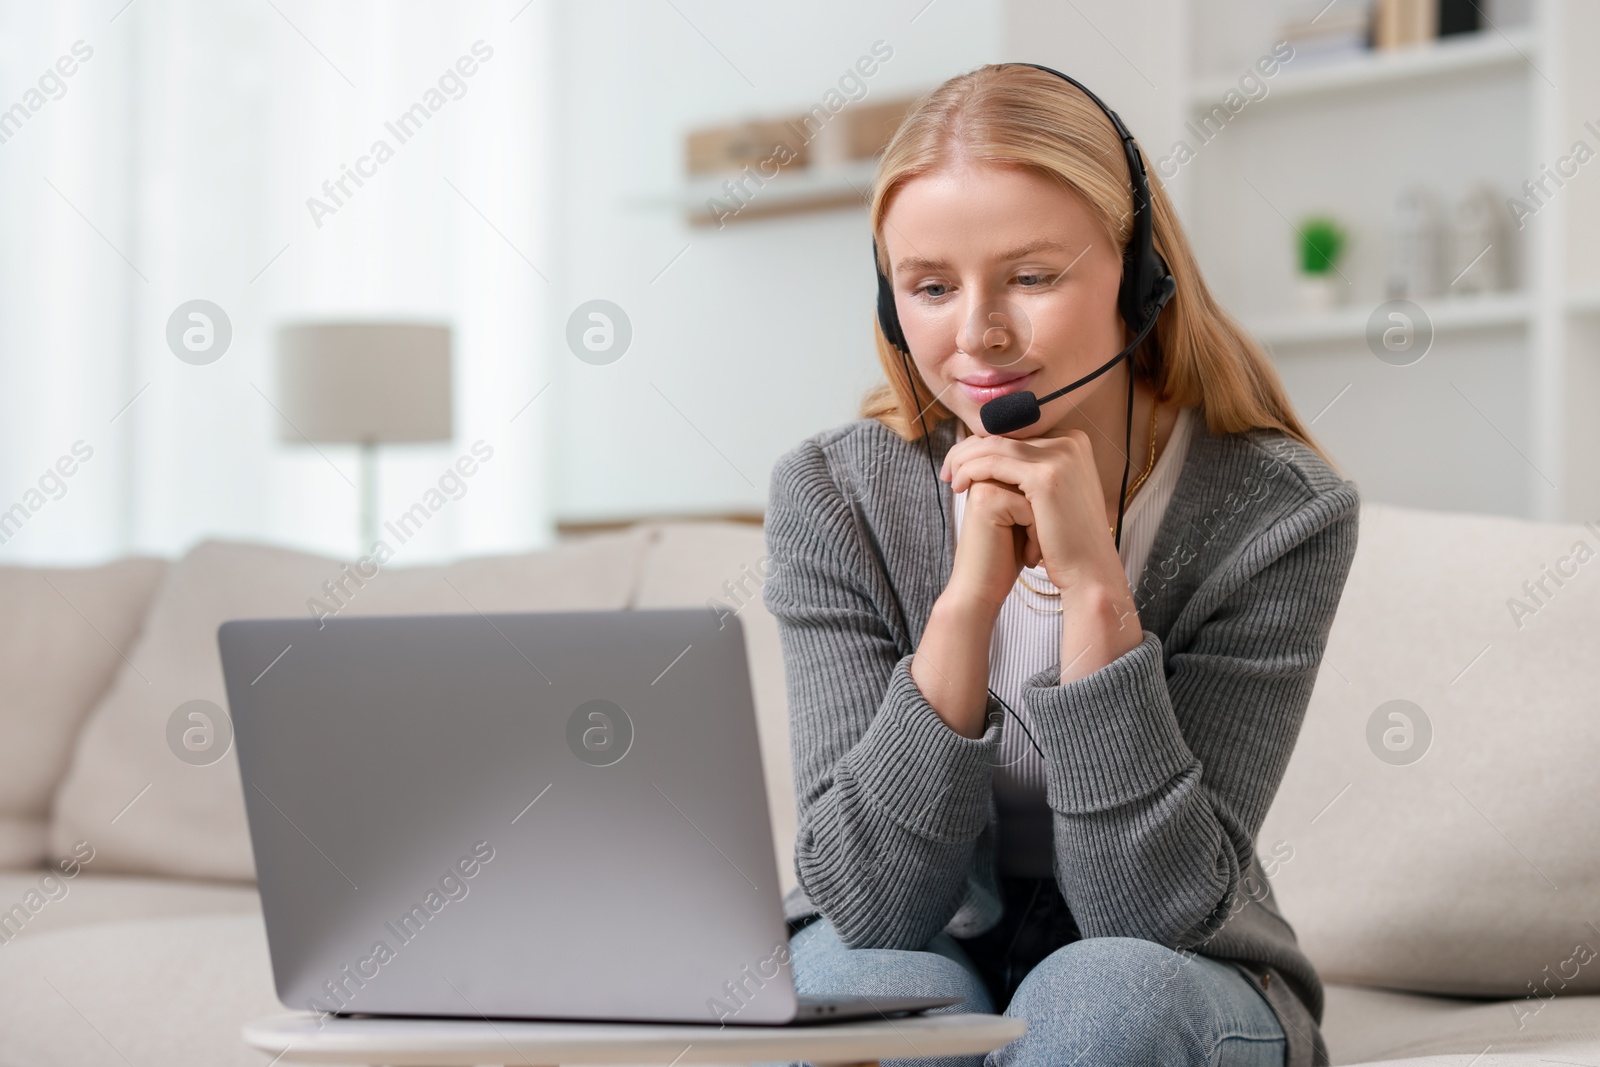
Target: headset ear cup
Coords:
[[1165, 286], [1143, 267], [888, 316], [1143, 280], [1131, 294]]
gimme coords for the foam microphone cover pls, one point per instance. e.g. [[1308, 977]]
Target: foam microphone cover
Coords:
[[1010, 412]]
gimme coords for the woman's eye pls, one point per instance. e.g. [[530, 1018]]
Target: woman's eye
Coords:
[[927, 290], [1036, 280]]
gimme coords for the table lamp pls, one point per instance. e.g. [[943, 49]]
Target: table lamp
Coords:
[[365, 383]]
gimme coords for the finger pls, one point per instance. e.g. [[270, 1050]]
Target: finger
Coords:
[[969, 447], [957, 452], [1032, 554], [984, 446], [1019, 511], [957, 461], [1026, 474], [1002, 505], [1030, 551], [1019, 544], [1050, 452], [954, 455]]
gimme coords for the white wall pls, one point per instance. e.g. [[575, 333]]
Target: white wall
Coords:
[[1131, 55], [66, 296], [757, 335], [178, 165]]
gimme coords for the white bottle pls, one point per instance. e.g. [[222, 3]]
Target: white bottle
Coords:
[[1478, 236], [1414, 246]]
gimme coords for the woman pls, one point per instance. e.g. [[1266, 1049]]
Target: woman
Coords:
[[1032, 751]]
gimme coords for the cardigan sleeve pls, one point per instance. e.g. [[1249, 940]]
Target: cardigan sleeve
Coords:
[[890, 800], [1159, 778]]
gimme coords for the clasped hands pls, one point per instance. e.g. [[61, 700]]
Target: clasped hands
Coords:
[[1031, 502]]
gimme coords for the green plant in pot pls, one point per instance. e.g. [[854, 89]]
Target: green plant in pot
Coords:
[[1322, 242]]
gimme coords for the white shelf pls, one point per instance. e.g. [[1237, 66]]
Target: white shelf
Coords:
[[1343, 135], [1584, 301], [802, 189], [1497, 311], [1481, 52]]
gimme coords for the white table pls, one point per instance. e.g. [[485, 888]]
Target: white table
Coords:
[[399, 1042]]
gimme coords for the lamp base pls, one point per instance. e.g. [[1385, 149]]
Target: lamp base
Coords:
[[369, 497]]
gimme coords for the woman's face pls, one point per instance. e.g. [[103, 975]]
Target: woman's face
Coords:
[[1004, 280]]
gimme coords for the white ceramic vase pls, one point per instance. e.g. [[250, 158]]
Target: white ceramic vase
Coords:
[[1319, 293]]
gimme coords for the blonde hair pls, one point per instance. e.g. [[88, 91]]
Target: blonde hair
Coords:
[[1014, 115]]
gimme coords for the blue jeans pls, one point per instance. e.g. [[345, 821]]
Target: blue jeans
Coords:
[[1103, 1000]]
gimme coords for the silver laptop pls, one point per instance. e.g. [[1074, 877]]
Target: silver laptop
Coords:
[[553, 815]]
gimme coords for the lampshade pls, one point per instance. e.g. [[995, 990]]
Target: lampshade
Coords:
[[370, 382]]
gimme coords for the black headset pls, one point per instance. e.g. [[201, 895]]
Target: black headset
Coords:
[[1147, 286]]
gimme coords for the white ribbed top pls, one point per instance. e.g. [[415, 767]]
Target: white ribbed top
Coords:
[[1027, 639]]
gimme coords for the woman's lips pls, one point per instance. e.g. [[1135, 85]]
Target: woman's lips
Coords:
[[981, 389]]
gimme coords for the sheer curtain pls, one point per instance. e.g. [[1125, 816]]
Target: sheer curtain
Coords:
[[284, 160]]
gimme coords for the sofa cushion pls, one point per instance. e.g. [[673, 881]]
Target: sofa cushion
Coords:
[[62, 638], [175, 991], [1446, 844], [721, 566], [1376, 1026], [146, 811], [39, 901], [158, 991]]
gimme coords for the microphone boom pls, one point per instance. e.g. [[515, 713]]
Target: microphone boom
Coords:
[[1013, 411]]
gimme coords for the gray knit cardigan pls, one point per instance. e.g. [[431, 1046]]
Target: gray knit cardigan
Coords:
[[1159, 767]]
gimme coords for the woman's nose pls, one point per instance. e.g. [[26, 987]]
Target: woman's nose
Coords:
[[996, 331]]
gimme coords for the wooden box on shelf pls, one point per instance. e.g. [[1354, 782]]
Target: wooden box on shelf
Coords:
[[725, 149], [812, 161], [869, 126]]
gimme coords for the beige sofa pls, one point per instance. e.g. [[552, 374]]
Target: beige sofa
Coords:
[[132, 933]]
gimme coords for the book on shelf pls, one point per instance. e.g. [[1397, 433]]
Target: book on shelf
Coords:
[[1405, 23], [1318, 30]]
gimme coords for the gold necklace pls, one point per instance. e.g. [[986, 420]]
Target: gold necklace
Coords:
[[1149, 465]]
